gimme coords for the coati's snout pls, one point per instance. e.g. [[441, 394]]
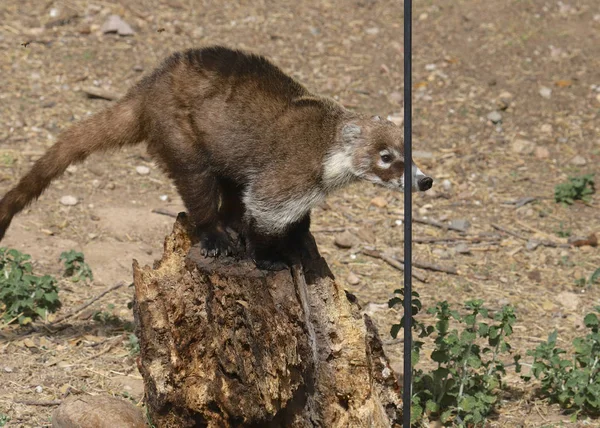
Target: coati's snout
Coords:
[[425, 184]]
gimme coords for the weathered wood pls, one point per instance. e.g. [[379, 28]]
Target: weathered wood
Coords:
[[225, 344]]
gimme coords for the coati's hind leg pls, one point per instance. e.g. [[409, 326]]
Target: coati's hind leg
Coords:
[[201, 193], [275, 252]]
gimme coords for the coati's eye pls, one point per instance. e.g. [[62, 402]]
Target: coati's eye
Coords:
[[386, 157]]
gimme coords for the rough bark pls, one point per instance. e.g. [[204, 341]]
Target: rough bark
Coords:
[[225, 344]]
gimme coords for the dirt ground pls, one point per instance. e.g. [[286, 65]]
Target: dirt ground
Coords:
[[534, 62]]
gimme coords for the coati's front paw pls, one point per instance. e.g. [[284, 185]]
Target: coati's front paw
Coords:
[[215, 243]]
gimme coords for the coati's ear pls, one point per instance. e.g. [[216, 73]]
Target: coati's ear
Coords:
[[350, 132], [376, 118]]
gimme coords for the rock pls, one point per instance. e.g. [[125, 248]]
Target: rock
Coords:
[[97, 412], [139, 68], [578, 161], [460, 224], [8, 369], [447, 185], [164, 198], [352, 279], [532, 244], [396, 118], [142, 170], [495, 117], [379, 202], [69, 200], [462, 248], [504, 100], [522, 146], [545, 92], [546, 128], [346, 240], [39, 389], [542, 152], [114, 24], [569, 301], [441, 254]]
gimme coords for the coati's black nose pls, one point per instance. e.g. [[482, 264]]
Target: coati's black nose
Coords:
[[425, 183]]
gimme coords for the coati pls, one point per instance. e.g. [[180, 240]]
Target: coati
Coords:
[[246, 145]]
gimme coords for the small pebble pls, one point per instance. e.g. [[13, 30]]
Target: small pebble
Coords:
[[495, 117], [578, 161], [115, 24], [142, 170], [379, 202], [39, 389], [523, 146], [462, 248], [8, 369], [545, 92], [462, 224], [164, 198], [532, 244], [447, 185], [346, 240], [69, 200], [352, 279], [110, 186]]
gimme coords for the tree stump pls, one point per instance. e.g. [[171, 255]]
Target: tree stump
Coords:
[[225, 344]]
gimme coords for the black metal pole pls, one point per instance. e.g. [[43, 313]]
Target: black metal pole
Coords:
[[408, 176]]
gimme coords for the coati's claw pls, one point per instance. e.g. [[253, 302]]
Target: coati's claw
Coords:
[[213, 244]]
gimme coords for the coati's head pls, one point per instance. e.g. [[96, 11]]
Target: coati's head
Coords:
[[372, 149]]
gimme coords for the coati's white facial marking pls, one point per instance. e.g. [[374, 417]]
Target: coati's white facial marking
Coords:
[[338, 169]]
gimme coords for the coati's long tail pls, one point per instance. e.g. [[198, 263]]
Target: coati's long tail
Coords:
[[115, 127]]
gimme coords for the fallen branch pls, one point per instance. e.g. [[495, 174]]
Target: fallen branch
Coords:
[[418, 264], [39, 403], [544, 242], [392, 262], [435, 223], [473, 239], [88, 303], [164, 212]]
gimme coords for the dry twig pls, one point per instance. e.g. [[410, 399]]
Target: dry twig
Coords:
[[164, 212], [39, 403], [392, 262], [88, 303]]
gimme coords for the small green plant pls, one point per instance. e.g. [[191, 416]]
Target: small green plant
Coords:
[[573, 382], [575, 188], [75, 266], [4, 419], [593, 279], [562, 233], [133, 344], [463, 388], [24, 296]]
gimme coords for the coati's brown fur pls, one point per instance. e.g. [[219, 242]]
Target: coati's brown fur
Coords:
[[246, 145]]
